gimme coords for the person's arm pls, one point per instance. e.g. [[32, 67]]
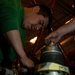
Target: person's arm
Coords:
[[55, 36], [14, 38], [67, 28]]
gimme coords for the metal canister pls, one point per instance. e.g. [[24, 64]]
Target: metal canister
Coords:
[[52, 61]]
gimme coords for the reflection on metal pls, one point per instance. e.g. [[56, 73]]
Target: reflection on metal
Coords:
[[67, 40], [72, 5], [33, 40], [69, 21], [68, 44], [51, 29]]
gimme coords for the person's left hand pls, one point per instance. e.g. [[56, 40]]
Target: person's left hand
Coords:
[[27, 62]]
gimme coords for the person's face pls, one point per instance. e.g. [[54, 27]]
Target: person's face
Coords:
[[35, 22]]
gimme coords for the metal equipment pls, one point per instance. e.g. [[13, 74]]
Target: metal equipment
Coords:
[[52, 61], [5, 71]]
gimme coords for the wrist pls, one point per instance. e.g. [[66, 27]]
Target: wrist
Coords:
[[22, 56]]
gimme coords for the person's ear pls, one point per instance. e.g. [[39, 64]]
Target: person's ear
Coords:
[[36, 9]]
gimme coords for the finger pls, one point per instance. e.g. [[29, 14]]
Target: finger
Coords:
[[47, 41]]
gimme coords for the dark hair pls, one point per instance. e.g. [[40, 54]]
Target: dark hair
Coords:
[[45, 11]]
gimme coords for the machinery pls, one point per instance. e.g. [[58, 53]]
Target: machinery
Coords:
[[52, 61]]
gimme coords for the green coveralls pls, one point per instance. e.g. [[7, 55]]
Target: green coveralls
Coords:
[[11, 17]]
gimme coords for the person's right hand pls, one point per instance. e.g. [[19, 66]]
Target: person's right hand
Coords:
[[53, 37], [27, 62]]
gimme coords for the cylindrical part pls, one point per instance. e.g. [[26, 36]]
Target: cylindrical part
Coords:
[[52, 53], [52, 57], [52, 61]]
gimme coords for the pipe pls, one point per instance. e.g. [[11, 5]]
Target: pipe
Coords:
[[74, 6], [65, 55], [53, 4], [67, 7], [37, 41]]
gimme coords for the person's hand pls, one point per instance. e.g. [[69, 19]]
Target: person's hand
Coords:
[[27, 62], [53, 37]]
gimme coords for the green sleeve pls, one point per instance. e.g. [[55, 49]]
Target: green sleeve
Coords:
[[8, 17]]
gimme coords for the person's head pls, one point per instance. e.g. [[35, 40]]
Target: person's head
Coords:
[[37, 17]]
